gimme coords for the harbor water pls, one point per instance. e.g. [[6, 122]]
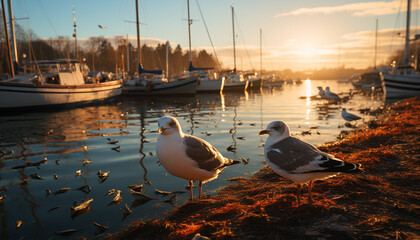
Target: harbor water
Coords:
[[67, 148]]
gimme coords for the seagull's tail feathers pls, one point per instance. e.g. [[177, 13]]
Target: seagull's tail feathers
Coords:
[[337, 165], [229, 162]]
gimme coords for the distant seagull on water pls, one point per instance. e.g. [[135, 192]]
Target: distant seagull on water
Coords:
[[299, 161], [321, 92], [187, 156], [330, 95], [349, 116]]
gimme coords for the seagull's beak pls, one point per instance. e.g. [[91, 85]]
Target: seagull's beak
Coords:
[[263, 132], [161, 130]]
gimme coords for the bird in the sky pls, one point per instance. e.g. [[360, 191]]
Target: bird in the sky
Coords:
[[299, 161], [102, 27], [349, 116], [187, 156]]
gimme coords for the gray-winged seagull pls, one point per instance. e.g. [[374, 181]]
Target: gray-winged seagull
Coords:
[[187, 156], [298, 160], [331, 95], [349, 116]]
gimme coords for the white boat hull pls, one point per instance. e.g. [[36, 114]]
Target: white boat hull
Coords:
[[210, 85], [235, 86], [396, 86], [185, 86], [15, 95]]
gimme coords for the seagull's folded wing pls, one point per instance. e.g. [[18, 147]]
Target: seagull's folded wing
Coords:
[[203, 153]]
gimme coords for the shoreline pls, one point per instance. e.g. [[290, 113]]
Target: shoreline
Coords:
[[381, 202]]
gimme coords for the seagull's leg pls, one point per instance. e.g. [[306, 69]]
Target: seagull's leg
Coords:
[[191, 190], [200, 184], [310, 192], [299, 187]]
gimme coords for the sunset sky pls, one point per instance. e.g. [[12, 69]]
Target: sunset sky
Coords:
[[299, 35]]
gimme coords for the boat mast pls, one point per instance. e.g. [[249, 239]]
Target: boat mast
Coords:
[[407, 33], [261, 53], [12, 31], [138, 34], [12, 71], [234, 47], [189, 29], [376, 44], [74, 34]]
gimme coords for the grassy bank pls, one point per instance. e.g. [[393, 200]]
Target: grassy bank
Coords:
[[380, 203]]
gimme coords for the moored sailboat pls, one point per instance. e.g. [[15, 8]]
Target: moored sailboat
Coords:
[[404, 80]]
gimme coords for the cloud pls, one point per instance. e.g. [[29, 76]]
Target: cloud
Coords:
[[356, 9]]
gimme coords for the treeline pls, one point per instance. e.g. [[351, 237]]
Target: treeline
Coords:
[[101, 55]]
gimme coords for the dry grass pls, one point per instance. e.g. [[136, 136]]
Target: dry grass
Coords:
[[380, 203]]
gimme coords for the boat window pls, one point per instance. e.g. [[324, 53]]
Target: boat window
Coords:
[[66, 67]]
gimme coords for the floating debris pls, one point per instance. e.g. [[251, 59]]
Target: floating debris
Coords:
[[150, 153], [127, 211], [67, 232], [241, 138], [162, 192], [306, 133], [85, 162], [53, 208], [60, 191], [57, 162], [100, 228], [117, 199], [24, 181], [55, 176], [137, 188], [117, 148], [36, 176], [18, 223], [81, 208], [112, 141], [84, 188], [252, 124], [102, 176], [111, 191], [245, 161], [231, 148]]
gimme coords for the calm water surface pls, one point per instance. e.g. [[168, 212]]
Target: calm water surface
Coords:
[[73, 135]]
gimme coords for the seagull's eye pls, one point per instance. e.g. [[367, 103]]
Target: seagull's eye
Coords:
[[172, 124]]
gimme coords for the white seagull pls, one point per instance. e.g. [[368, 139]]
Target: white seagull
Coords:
[[299, 161], [321, 92], [331, 95], [187, 156], [349, 116]]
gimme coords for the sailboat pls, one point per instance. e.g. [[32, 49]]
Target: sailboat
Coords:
[[51, 83], [207, 83], [157, 85], [403, 81], [233, 81]]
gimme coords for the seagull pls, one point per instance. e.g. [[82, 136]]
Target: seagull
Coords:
[[186, 156], [102, 27], [321, 92], [349, 116], [331, 95], [299, 161]]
